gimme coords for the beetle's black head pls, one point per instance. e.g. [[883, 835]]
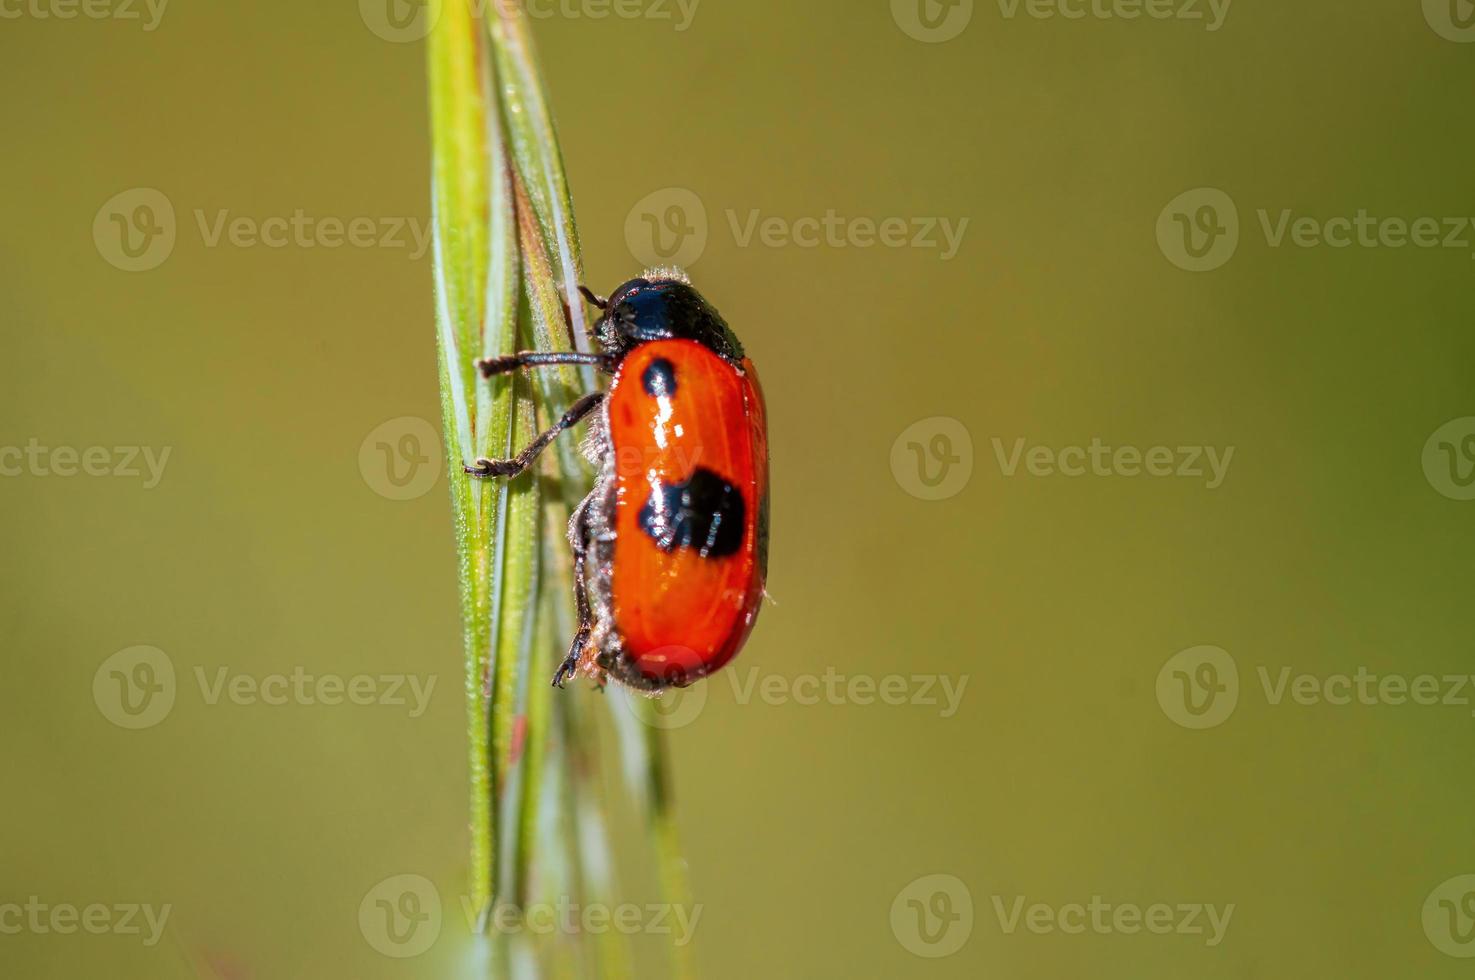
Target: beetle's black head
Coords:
[[664, 306]]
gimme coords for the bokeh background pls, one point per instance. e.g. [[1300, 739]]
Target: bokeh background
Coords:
[[901, 376]]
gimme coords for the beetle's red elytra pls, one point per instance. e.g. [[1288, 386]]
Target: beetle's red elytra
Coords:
[[671, 545]]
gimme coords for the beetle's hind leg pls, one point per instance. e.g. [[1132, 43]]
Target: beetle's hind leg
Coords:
[[579, 535], [484, 469]]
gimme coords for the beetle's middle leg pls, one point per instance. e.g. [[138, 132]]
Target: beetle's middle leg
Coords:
[[486, 468], [579, 533]]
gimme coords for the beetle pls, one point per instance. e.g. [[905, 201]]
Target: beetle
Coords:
[[671, 545]]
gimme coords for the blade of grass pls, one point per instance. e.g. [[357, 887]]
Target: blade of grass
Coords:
[[646, 762], [560, 386], [550, 248], [516, 626], [461, 206], [507, 268], [538, 708], [537, 156], [591, 822]]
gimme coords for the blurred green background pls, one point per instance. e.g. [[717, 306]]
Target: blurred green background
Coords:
[[1071, 766]]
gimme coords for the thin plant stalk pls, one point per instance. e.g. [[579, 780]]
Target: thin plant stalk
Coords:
[[507, 271]]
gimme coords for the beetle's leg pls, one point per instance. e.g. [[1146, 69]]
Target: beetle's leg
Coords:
[[493, 366], [485, 468], [579, 532]]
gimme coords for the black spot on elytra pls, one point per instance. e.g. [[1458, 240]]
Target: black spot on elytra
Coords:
[[704, 513], [659, 379]]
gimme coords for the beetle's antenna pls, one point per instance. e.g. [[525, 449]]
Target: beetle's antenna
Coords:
[[598, 301]]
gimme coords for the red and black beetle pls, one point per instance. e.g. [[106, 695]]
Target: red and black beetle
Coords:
[[670, 551]]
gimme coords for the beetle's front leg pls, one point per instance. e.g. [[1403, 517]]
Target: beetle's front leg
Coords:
[[493, 366]]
